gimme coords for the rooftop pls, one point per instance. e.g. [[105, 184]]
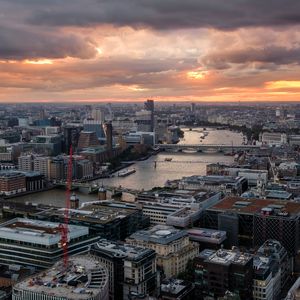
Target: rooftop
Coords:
[[159, 234], [38, 232], [225, 257], [252, 206], [123, 250], [84, 278], [207, 235]]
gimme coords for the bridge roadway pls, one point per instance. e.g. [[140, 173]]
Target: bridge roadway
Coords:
[[207, 147], [93, 187]]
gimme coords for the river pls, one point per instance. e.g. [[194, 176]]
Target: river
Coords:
[[148, 176]]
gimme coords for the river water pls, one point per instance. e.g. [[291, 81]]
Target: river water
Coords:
[[148, 176]]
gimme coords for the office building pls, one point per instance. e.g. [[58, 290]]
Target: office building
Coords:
[[85, 278], [130, 268], [98, 114], [87, 139], [25, 162], [228, 184], [108, 133], [149, 106], [41, 165], [176, 289], [257, 220], [36, 244], [172, 246], [207, 238], [143, 120], [223, 270], [179, 208], [94, 126], [272, 271]]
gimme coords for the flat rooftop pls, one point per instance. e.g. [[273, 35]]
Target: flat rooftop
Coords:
[[124, 250], [38, 232], [211, 179], [84, 278], [252, 206], [94, 213], [225, 257], [159, 234], [206, 235]]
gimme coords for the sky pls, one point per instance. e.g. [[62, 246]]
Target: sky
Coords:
[[131, 50]]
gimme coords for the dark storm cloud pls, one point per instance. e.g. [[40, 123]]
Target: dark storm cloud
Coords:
[[166, 14], [268, 55], [22, 43]]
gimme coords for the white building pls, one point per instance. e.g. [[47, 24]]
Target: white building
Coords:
[[85, 278], [274, 138], [172, 246]]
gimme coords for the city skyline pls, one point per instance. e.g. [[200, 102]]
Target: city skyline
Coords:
[[193, 50]]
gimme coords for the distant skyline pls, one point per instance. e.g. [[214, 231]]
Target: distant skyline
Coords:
[[168, 50]]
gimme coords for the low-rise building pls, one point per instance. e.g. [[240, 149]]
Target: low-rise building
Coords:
[[12, 182], [172, 246], [36, 244], [176, 289], [84, 278]]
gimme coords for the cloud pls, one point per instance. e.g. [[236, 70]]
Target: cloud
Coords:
[[166, 14], [266, 56], [28, 43]]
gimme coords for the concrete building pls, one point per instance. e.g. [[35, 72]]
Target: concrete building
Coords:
[[33, 243], [84, 279], [130, 268], [144, 120], [98, 114], [25, 162], [207, 238], [180, 208], [95, 126], [253, 221], [294, 291], [273, 138], [223, 270], [87, 139], [228, 184], [272, 271], [172, 246], [176, 289], [41, 165]]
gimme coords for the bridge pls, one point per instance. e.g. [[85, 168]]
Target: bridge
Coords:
[[92, 187], [205, 147]]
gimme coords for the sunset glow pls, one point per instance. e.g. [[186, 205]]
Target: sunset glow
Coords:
[[124, 52]]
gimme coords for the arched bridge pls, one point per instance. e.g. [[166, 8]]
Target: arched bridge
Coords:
[[206, 147]]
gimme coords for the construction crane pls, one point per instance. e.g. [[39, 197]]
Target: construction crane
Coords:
[[64, 230]]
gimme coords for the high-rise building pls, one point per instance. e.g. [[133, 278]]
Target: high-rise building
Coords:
[[94, 125], [88, 139], [108, 133], [98, 114], [85, 278], [25, 162], [149, 106], [131, 269], [41, 165]]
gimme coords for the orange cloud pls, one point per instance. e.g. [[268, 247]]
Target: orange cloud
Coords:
[[283, 84]]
